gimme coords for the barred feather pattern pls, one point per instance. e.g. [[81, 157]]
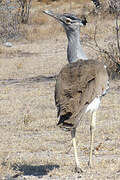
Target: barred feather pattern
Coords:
[[77, 85]]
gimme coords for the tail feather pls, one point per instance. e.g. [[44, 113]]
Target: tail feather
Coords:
[[64, 121]]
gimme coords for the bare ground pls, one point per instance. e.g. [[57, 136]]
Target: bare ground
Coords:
[[31, 146]]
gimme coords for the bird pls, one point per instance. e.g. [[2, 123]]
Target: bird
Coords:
[[80, 84]]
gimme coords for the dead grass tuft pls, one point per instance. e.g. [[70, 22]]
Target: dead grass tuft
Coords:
[[36, 32], [7, 51], [39, 18], [28, 118]]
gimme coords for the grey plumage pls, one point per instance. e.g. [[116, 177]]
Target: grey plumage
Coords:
[[72, 25]]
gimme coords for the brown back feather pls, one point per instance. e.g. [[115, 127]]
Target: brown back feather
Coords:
[[76, 86]]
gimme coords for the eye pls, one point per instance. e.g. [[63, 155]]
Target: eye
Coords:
[[68, 21]]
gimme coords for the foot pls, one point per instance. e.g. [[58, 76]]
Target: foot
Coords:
[[78, 170], [90, 164]]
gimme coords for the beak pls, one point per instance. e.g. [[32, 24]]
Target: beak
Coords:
[[59, 18], [54, 15]]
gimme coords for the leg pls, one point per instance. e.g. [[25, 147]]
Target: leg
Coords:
[[73, 131], [92, 130]]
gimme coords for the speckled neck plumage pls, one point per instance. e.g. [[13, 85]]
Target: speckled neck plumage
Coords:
[[74, 49]]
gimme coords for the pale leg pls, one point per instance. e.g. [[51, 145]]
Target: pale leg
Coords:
[[92, 130], [75, 150]]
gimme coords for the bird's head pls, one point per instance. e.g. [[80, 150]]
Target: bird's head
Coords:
[[69, 21]]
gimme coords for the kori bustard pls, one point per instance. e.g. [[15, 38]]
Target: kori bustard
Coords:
[[80, 84]]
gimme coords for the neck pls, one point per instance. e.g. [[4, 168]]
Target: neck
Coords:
[[74, 49]]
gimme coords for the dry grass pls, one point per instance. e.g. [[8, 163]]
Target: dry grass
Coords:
[[7, 51], [40, 27], [38, 18], [32, 33]]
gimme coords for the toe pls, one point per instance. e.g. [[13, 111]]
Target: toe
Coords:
[[78, 170]]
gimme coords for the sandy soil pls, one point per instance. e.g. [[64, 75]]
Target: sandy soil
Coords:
[[31, 146]]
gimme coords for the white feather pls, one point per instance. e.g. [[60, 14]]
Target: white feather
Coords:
[[93, 106]]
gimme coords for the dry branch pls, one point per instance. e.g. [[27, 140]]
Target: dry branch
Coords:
[[25, 6], [111, 54], [114, 5]]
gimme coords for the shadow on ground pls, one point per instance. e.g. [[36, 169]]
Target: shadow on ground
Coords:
[[30, 170], [36, 79]]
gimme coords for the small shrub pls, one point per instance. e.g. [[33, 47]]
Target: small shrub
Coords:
[[9, 20], [114, 5]]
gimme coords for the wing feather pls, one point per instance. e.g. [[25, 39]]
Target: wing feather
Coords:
[[76, 88]]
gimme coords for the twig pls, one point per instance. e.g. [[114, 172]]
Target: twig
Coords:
[[117, 32], [103, 51]]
